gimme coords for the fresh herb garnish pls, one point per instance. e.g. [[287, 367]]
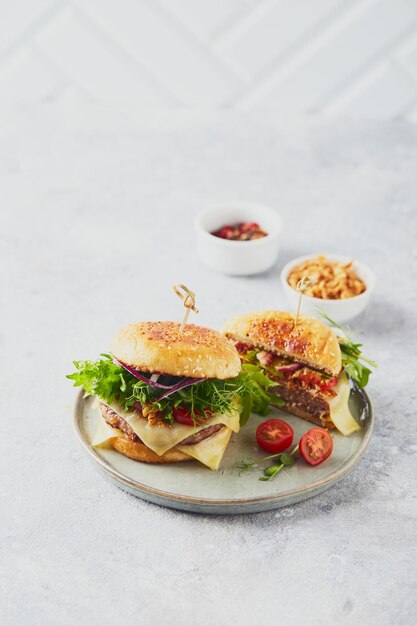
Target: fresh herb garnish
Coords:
[[352, 357], [285, 459], [246, 393]]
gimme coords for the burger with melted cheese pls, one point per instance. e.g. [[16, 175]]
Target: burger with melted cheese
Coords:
[[305, 361], [166, 395]]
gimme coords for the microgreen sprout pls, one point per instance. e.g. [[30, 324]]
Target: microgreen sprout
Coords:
[[284, 459], [250, 464]]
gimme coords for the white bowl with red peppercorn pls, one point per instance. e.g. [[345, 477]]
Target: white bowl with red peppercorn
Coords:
[[239, 238]]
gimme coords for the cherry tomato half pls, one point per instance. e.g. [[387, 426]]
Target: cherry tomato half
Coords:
[[316, 445], [182, 415], [274, 435]]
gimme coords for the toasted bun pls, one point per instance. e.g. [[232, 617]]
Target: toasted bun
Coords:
[[140, 452], [197, 352], [310, 342]]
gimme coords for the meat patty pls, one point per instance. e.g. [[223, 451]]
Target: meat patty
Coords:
[[302, 403], [201, 435], [113, 419]]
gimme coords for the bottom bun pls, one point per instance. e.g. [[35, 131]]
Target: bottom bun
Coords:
[[139, 452]]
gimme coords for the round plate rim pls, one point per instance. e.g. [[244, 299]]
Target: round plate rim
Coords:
[[140, 487]]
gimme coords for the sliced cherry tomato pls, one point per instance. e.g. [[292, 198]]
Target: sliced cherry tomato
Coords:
[[274, 435], [182, 415], [316, 445]]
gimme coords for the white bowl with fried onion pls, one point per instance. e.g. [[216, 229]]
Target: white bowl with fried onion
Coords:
[[340, 311]]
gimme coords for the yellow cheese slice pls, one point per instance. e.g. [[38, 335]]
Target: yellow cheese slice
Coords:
[[339, 410], [104, 433], [210, 451], [160, 439]]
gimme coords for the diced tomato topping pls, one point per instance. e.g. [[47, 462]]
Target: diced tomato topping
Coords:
[[313, 380], [310, 378], [329, 384]]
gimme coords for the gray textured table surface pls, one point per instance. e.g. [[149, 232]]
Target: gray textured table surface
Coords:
[[96, 211]]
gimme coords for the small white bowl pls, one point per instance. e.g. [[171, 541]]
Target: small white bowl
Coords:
[[239, 258], [341, 311]]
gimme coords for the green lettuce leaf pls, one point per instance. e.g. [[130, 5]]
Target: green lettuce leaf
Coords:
[[245, 393]]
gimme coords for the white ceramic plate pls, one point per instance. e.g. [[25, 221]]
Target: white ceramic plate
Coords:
[[192, 487]]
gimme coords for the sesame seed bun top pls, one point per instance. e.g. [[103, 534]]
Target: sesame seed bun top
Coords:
[[159, 347], [310, 342]]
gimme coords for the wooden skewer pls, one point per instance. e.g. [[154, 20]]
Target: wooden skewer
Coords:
[[302, 286], [188, 297]]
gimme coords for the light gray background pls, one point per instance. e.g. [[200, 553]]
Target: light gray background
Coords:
[[352, 57], [97, 212]]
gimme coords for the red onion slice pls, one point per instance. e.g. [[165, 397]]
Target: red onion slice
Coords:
[[140, 376], [185, 382]]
